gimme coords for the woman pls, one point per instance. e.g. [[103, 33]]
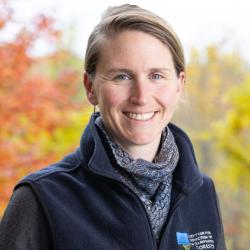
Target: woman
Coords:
[[134, 181]]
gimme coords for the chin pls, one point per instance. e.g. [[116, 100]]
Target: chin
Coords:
[[140, 140]]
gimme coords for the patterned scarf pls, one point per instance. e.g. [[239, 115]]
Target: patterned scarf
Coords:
[[151, 181]]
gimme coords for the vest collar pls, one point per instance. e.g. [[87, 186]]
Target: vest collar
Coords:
[[186, 176]]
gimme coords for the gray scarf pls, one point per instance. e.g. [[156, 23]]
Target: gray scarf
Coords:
[[151, 181]]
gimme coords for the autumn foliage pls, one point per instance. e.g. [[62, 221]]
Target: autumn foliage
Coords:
[[34, 102], [219, 124]]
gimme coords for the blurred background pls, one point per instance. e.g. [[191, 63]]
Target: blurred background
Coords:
[[43, 109]]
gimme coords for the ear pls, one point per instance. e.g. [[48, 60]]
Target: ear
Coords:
[[89, 88], [181, 81]]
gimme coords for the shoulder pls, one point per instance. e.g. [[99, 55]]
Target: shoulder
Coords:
[[209, 189], [207, 194], [68, 166], [208, 184]]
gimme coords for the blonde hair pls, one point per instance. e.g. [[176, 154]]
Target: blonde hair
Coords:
[[131, 17]]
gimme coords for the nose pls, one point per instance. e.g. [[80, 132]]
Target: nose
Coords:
[[140, 92]]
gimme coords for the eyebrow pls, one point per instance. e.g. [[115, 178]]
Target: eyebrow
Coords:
[[159, 69], [115, 70]]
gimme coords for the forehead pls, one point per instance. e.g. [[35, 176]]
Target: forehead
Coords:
[[136, 49]]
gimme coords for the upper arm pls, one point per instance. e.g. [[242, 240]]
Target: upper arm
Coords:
[[24, 225]]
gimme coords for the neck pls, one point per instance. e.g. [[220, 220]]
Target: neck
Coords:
[[146, 152]]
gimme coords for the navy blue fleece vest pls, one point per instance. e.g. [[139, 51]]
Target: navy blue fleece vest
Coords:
[[87, 207]]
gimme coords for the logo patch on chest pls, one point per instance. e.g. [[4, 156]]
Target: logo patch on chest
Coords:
[[183, 240], [202, 240]]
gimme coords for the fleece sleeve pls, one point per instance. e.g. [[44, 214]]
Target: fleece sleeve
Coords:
[[24, 225]]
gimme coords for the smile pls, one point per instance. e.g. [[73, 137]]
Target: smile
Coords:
[[140, 117]]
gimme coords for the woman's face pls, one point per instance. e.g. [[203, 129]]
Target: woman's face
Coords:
[[135, 87]]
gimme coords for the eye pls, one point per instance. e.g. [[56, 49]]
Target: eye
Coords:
[[156, 76], [122, 77]]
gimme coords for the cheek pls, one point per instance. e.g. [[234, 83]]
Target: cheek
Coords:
[[109, 97], [168, 97]]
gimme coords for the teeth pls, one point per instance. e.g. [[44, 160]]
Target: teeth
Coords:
[[140, 117]]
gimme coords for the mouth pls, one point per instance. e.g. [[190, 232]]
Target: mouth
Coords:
[[140, 116]]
